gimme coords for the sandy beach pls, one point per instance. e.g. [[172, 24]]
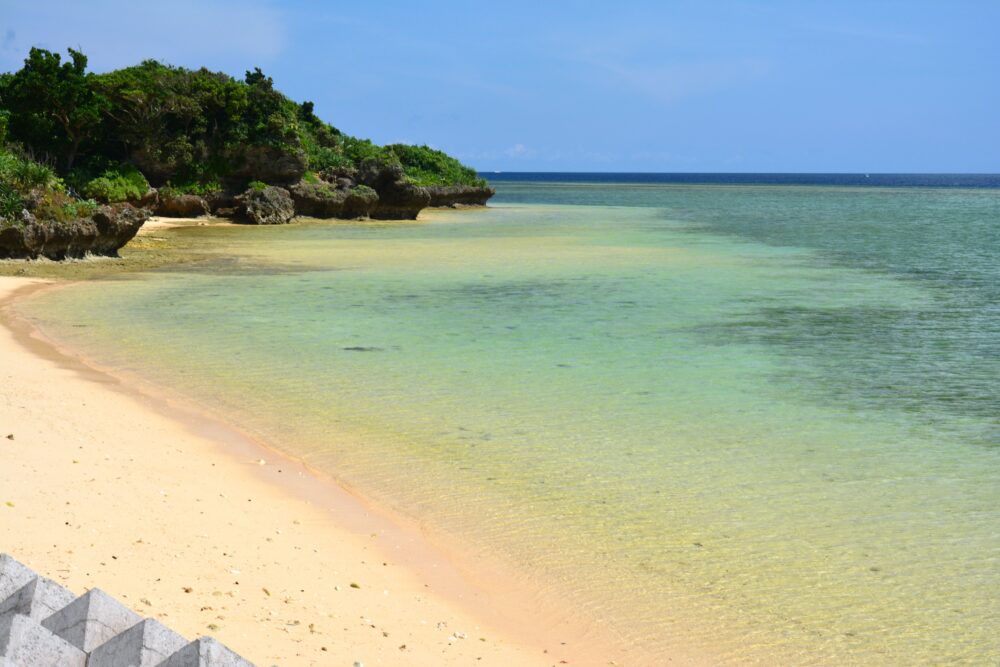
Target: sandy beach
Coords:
[[188, 522]]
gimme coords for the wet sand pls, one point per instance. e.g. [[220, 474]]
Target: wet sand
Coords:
[[187, 521]]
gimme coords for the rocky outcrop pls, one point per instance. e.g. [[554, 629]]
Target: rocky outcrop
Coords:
[[341, 199], [377, 189], [103, 233], [182, 206], [398, 199], [150, 200], [222, 204], [270, 205], [401, 201], [268, 165], [454, 196]]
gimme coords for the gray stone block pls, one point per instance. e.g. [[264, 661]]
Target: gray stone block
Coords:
[[145, 644], [91, 619], [13, 575], [37, 599], [25, 643], [205, 652]]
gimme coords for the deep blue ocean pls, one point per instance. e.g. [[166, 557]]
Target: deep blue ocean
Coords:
[[864, 180]]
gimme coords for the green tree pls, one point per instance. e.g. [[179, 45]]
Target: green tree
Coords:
[[54, 107]]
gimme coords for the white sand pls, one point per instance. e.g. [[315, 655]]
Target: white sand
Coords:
[[103, 486]]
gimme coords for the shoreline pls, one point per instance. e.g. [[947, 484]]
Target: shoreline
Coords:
[[428, 581]]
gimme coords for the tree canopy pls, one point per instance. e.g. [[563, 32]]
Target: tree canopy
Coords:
[[187, 128], [53, 106]]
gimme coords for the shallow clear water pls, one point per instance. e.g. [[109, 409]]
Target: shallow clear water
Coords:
[[759, 420]]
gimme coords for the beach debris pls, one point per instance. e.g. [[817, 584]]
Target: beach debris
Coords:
[[266, 592], [358, 663], [261, 462], [9, 503], [354, 585], [187, 589], [10, 436]]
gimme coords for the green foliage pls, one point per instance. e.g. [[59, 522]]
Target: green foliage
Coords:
[[271, 119], [123, 183], [185, 129], [56, 205], [324, 159], [199, 178], [362, 190], [200, 189], [80, 208], [175, 124], [257, 186], [21, 177], [324, 155], [311, 177], [322, 142], [359, 150], [11, 202], [53, 106], [426, 166], [23, 174]]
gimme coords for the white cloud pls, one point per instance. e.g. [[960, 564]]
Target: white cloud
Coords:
[[519, 151], [671, 83]]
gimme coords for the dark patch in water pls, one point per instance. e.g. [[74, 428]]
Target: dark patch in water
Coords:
[[362, 348], [901, 359]]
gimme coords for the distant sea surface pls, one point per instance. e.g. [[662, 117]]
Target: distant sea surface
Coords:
[[867, 180], [756, 415]]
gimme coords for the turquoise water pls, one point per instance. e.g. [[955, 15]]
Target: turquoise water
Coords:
[[761, 421]]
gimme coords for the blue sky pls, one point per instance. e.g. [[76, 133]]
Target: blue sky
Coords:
[[591, 86]]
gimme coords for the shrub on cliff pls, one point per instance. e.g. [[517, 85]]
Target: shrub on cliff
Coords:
[[118, 184], [27, 184], [11, 203], [57, 206], [20, 175], [426, 166], [24, 174], [196, 130]]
